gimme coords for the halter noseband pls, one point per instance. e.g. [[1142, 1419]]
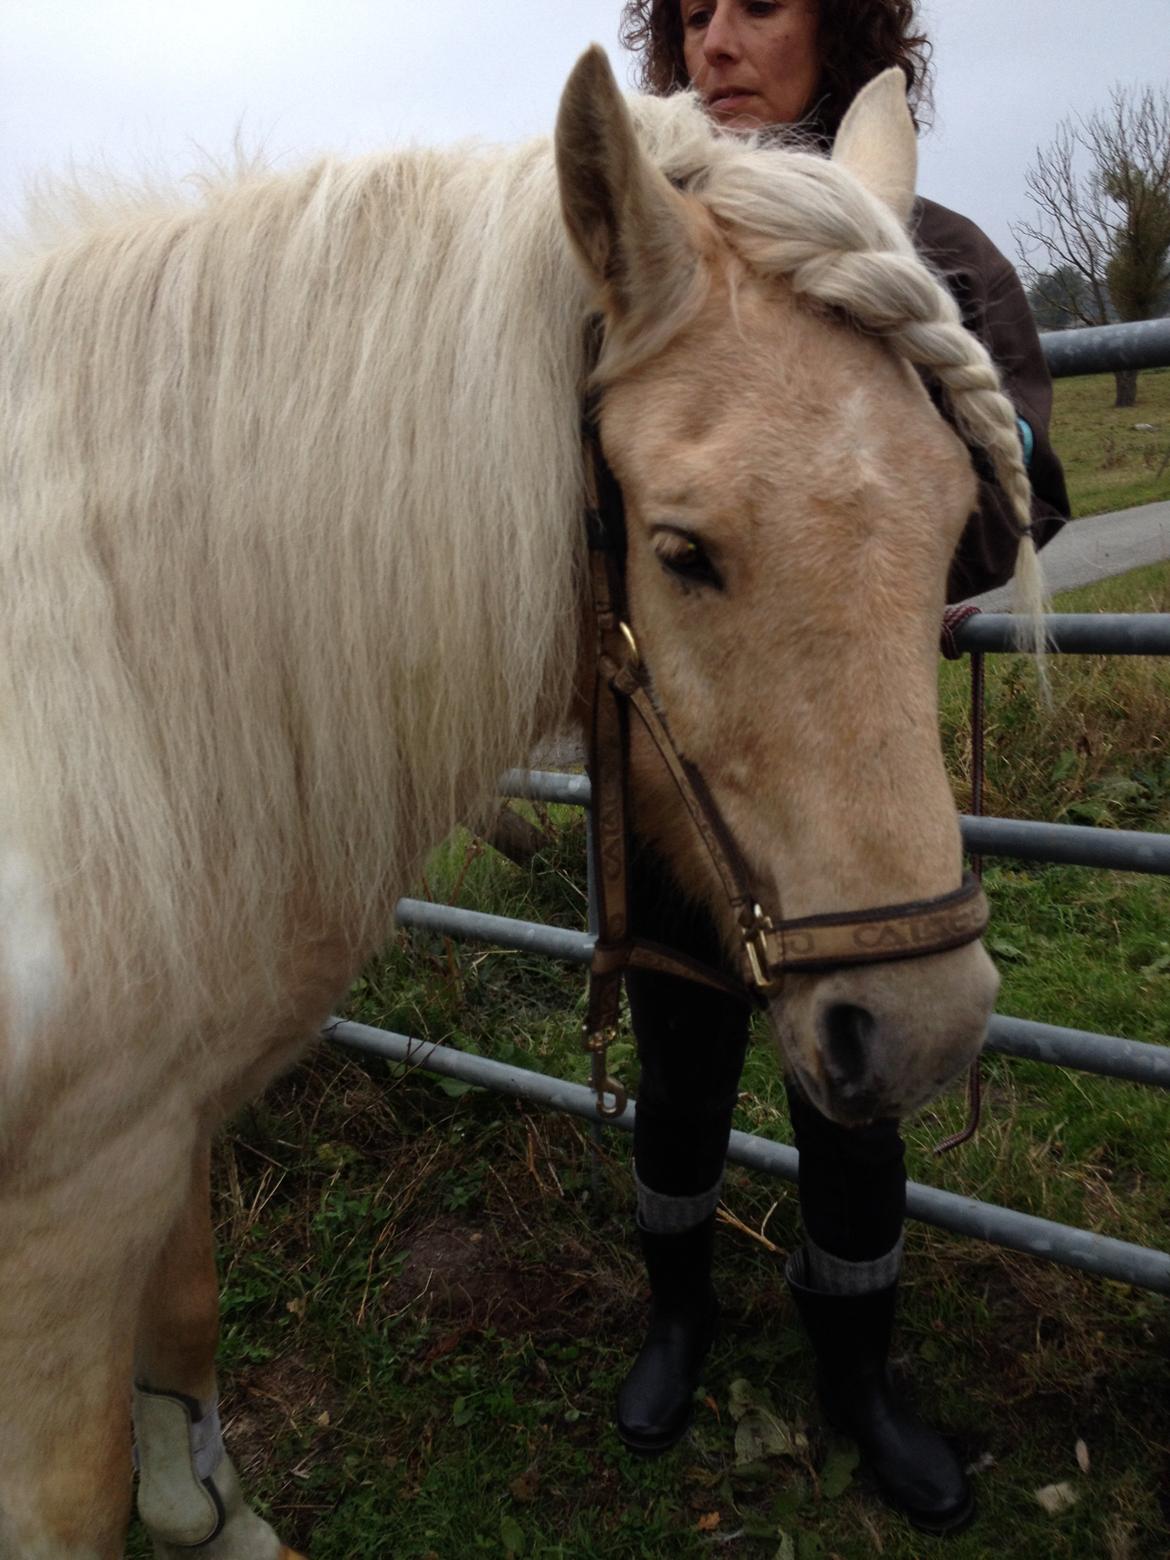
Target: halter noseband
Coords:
[[770, 947]]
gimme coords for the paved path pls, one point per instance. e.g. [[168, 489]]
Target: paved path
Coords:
[[1097, 548]]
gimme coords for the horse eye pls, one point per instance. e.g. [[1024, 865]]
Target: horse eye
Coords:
[[686, 558]]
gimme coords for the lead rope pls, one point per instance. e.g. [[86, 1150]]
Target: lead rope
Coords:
[[953, 620]]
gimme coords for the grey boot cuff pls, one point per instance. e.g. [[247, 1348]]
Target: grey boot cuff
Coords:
[[830, 1275], [663, 1215]]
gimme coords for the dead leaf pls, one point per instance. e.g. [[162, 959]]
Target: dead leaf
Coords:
[[525, 1487], [760, 1432], [1056, 1499], [1083, 1461], [705, 1477], [323, 1419], [837, 1474], [759, 1435], [709, 1523]]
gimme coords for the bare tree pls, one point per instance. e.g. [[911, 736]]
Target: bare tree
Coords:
[[1099, 248], [1057, 298]]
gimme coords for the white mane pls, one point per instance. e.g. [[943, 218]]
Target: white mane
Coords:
[[299, 466]]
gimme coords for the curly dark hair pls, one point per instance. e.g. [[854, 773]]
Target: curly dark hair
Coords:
[[858, 39]]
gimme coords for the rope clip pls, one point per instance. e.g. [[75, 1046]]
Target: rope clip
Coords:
[[597, 1043]]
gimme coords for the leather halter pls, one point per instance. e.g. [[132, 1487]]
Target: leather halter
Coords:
[[770, 947]]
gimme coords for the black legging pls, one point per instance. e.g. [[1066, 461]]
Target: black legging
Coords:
[[691, 1044]]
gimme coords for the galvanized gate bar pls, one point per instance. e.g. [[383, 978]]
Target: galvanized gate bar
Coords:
[[1067, 844], [1098, 1254], [1070, 633], [1101, 349], [524, 936], [547, 785], [1074, 633], [1109, 1056], [1025, 839]]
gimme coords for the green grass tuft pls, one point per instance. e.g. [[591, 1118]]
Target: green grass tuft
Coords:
[[1109, 461]]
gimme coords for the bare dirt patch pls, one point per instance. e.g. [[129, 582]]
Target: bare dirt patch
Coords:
[[268, 1400], [470, 1279]]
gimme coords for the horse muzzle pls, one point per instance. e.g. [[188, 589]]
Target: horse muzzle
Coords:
[[883, 1040]]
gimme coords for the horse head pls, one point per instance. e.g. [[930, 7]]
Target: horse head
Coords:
[[793, 500]]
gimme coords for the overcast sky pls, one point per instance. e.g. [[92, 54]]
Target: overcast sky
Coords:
[[134, 81]]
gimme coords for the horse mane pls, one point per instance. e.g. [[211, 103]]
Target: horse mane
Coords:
[[297, 464]]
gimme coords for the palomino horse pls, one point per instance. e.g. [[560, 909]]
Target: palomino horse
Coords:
[[292, 569]]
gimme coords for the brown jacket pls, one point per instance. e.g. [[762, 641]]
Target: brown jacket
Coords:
[[988, 292]]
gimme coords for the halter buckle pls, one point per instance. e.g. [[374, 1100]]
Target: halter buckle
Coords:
[[635, 657], [755, 942]]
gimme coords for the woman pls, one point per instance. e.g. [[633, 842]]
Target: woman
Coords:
[[756, 64]]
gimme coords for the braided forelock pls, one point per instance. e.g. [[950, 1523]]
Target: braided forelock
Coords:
[[811, 221]]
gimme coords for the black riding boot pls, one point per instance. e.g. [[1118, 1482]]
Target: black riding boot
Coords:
[[655, 1400], [916, 1470]]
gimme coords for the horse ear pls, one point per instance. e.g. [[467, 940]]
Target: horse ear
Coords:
[[877, 142], [628, 225]]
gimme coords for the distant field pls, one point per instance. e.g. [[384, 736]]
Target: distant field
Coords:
[[1109, 464]]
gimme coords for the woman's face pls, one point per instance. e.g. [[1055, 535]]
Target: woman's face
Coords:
[[753, 62]]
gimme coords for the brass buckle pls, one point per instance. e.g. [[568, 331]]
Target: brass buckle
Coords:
[[755, 942], [627, 634], [597, 1042]]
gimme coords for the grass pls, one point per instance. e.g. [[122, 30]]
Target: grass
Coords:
[[1101, 754], [1109, 463], [430, 1293]]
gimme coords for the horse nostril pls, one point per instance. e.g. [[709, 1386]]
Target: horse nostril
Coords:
[[846, 1032]]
